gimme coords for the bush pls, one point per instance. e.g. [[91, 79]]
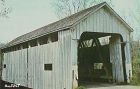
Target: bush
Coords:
[[136, 73], [136, 77], [135, 81], [135, 48], [81, 87]]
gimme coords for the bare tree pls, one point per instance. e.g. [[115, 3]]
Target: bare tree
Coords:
[[1, 44], [137, 16], [65, 8], [4, 10]]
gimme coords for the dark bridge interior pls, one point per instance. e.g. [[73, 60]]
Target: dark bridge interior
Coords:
[[94, 58]]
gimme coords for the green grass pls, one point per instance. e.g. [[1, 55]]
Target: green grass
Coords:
[[135, 80], [81, 87]]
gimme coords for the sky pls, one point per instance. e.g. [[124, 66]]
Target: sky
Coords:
[[28, 15]]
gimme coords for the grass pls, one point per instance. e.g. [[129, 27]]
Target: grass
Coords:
[[135, 80], [81, 87]]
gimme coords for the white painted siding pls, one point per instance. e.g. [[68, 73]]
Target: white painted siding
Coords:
[[101, 21], [26, 66], [1, 57], [38, 78], [16, 69], [116, 59], [65, 59]]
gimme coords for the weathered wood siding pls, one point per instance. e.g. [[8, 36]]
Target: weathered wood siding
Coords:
[[116, 59], [16, 67], [38, 78], [0, 65], [26, 66], [103, 21], [65, 59]]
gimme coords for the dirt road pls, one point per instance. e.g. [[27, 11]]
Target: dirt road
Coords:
[[112, 86]]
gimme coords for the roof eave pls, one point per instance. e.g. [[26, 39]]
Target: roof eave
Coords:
[[119, 17], [67, 27], [37, 37], [103, 5]]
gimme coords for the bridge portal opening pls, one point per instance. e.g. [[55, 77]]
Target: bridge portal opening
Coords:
[[94, 64]]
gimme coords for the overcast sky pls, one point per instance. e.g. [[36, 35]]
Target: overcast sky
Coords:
[[28, 15]]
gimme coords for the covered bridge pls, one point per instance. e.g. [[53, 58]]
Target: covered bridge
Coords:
[[89, 46]]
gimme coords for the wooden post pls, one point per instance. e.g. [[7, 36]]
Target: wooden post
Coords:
[[29, 46], [21, 47], [116, 59], [74, 55], [0, 66], [38, 42]]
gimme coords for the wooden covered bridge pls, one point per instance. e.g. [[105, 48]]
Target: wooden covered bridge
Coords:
[[89, 46]]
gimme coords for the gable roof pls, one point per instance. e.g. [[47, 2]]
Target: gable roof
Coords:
[[62, 24]]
